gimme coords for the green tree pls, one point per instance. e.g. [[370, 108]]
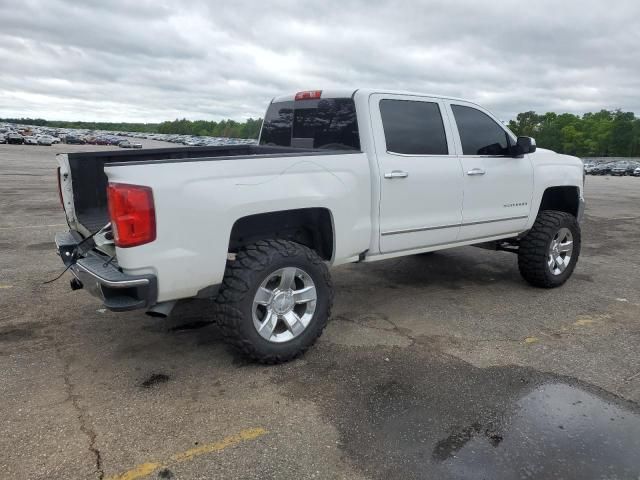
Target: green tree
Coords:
[[603, 133]]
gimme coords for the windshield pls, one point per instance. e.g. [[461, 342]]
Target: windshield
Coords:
[[328, 123]]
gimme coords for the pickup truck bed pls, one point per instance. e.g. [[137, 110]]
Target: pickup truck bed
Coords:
[[90, 182]]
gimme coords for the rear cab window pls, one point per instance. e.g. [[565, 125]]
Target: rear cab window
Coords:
[[321, 123]]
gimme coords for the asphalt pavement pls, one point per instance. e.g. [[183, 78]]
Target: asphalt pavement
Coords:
[[433, 366]]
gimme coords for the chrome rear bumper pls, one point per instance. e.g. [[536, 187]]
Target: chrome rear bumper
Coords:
[[103, 278]]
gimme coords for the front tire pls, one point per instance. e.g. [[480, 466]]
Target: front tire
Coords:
[[549, 252], [274, 301]]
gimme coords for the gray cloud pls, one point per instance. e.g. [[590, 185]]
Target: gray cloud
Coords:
[[151, 61]]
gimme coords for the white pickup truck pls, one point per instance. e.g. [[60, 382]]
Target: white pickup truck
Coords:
[[337, 177]]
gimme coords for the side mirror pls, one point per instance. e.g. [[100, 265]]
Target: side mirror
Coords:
[[525, 145]]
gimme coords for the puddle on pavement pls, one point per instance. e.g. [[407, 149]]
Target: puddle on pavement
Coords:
[[425, 415], [555, 431]]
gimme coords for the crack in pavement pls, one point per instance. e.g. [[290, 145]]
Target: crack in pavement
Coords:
[[85, 428], [405, 332]]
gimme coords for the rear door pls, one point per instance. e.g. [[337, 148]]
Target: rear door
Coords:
[[497, 186], [421, 176]]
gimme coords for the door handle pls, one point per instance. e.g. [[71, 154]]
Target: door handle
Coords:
[[476, 171], [396, 174]]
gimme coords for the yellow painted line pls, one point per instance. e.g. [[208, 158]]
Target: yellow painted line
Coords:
[[583, 322], [531, 340], [140, 471], [145, 469], [6, 286]]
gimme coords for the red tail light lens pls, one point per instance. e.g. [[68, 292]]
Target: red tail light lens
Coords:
[[309, 95], [132, 213]]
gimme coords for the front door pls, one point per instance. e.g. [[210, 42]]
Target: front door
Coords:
[[421, 177], [497, 186]]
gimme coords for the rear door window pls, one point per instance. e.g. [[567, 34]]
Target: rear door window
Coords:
[[413, 127], [325, 123]]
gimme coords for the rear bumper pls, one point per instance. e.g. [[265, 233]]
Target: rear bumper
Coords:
[[103, 278]]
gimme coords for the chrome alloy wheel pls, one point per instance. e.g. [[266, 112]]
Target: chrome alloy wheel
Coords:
[[284, 304], [560, 250]]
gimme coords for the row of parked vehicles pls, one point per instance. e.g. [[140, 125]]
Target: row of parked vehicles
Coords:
[[19, 139], [193, 141], [617, 168], [21, 134], [30, 136]]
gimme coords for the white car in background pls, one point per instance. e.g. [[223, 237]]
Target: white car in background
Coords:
[[636, 172], [30, 140], [128, 144], [45, 140]]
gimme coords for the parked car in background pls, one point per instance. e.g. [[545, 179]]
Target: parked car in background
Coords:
[[631, 170], [195, 142], [45, 140], [636, 172], [601, 169], [3, 138], [15, 138], [30, 140], [128, 144], [619, 169], [73, 140]]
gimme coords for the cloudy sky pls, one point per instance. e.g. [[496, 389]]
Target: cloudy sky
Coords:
[[139, 60]]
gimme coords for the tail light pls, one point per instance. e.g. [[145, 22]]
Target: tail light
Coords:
[[132, 212], [308, 95]]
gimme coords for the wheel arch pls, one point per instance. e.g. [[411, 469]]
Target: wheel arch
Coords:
[[312, 227], [563, 198]]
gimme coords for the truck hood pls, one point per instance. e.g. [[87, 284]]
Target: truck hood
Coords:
[[545, 156]]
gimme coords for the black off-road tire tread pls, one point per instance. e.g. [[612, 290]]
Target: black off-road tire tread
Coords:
[[236, 286], [532, 253]]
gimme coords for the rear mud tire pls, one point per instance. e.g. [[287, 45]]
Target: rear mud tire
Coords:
[[243, 277]]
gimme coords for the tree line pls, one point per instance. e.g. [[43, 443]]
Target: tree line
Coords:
[[602, 134], [605, 133]]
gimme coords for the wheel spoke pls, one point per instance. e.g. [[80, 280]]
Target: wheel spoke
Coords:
[[287, 278], [566, 247], [269, 325], [304, 295], [293, 323], [561, 264], [263, 296]]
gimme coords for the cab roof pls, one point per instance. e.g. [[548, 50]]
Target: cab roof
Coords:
[[348, 92]]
